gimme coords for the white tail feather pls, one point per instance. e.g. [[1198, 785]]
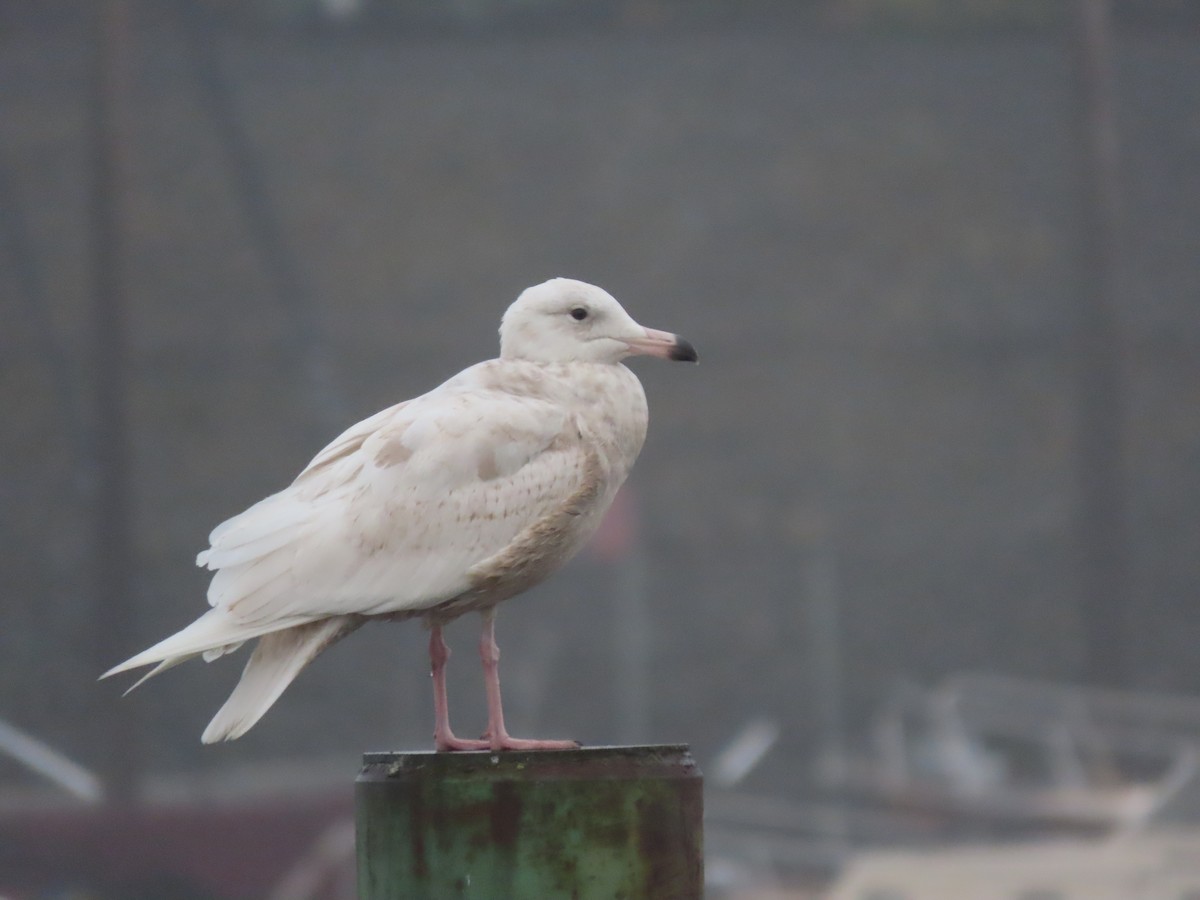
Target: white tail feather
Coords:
[[157, 670], [216, 628], [276, 660], [217, 652]]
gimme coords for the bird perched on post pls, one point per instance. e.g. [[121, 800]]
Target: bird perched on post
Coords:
[[448, 503]]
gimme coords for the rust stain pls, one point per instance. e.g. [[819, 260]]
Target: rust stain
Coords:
[[642, 805]]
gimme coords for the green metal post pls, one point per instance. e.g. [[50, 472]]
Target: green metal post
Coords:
[[603, 823]]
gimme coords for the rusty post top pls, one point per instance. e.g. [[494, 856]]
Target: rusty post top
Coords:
[[637, 761], [594, 824]]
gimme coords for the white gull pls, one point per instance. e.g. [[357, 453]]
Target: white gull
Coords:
[[447, 503]]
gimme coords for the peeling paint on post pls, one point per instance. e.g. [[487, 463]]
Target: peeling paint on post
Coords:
[[604, 823]]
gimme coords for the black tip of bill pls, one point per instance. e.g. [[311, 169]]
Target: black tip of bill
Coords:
[[683, 351]]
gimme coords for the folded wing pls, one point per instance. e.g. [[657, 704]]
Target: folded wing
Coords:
[[389, 518]]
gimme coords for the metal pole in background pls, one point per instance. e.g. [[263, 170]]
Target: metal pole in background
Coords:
[[1103, 529], [118, 734], [249, 174]]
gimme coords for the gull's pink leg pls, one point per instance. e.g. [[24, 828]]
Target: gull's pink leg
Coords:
[[498, 736], [443, 737]]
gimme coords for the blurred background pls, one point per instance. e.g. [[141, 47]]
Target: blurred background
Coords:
[[911, 559]]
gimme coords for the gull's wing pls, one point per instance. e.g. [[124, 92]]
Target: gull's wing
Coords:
[[395, 513], [403, 511]]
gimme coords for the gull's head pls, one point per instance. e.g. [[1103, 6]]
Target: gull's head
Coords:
[[562, 320]]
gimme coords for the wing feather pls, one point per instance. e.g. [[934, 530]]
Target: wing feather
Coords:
[[394, 514], [272, 522]]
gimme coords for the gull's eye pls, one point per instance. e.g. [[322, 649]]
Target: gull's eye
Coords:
[[579, 313]]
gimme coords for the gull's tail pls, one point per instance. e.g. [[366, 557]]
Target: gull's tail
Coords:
[[281, 653], [214, 633], [276, 660]]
